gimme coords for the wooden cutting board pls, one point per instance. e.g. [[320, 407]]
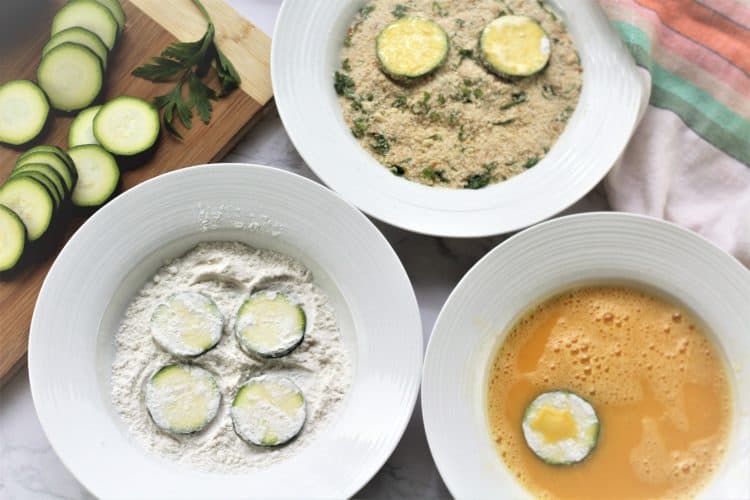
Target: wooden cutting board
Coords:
[[151, 26]]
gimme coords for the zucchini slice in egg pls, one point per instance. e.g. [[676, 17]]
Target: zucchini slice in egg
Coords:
[[187, 324], [514, 46], [560, 427], [182, 398], [270, 325], [411, 47], [268, 410]]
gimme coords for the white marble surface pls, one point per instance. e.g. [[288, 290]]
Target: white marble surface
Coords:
[[29, 469]]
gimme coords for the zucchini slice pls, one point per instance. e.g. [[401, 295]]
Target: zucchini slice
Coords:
[[88, 14], [51, 179], [81, 36], [411, 47], [268, 410], [269, 325], [49, 149], [187, 324], [36, 156], [98, 175], [31, 201], [71, 76], [560, 427], [23, 112], [12, 238], [42, 179], [182, 398], [127, 126], [115, 8], [514, 46], [81, 130]]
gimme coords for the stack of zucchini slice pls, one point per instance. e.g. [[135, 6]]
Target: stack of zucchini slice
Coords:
[[70, 77]]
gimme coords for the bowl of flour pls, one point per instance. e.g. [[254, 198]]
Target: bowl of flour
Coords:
[[225, 231]]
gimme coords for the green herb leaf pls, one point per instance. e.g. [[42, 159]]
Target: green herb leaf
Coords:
[[381, 144], [399, 102], [344, 85], [515, 99], [187, 62], [397, 170], [366, 11], [346, 65], [531, 161], [399, 10]]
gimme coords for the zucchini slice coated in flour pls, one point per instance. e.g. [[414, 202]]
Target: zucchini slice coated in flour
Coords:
[[12, 238], [23, 112], [80, 36], [187, 324], [270, 325], [98, 175], [90, 15], [514, 46], [82, 128], [71, 75], [268, 410], [411, 47], [560, 427], [127, 126], [182, 398], [31, 201]]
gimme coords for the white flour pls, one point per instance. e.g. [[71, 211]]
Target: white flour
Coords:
[[227, 272]]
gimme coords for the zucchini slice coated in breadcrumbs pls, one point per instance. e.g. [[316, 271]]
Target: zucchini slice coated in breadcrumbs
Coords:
[[270, 325], [411, 47], [268, 410], [182, 398], [560, 427], [187, 324], [514, 46]]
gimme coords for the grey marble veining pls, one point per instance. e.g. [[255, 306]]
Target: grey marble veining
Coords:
[[29, 469]]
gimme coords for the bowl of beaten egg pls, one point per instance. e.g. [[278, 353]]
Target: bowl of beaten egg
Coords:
[[600, 355]]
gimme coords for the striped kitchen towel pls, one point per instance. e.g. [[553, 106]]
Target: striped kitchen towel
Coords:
[[689, 160]]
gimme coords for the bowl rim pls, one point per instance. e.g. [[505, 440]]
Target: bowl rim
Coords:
[[411, 400], [493, 218], [705, 243]]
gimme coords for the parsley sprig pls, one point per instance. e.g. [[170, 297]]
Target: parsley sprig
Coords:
[[186, 63]]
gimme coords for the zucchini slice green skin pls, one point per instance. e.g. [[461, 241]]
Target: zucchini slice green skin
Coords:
[[115, 8], [81, 130], [514, 46], [44, 180], [81, 36], [187, 324], [268, 410], [90, 15], [411, 47], [50, 178], [31, 201], [12, 238], [182, 398], [24, 110], [270, 325], [71, 75], [561, 428], [54, 160], [127, 126], [98, 175], [49, 149]]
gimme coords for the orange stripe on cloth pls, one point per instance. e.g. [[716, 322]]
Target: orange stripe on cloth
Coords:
[[706, 27], [666, 42]]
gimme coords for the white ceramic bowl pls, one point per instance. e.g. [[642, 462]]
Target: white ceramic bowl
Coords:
[[544, 260], [121, 247], [305, 54]]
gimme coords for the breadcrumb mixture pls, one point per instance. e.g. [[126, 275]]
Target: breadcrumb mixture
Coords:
[[461, 127]]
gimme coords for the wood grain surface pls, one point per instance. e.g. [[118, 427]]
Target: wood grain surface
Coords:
[[151, 26]]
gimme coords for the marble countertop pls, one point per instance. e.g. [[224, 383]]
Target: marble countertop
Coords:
[[30, 470]]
